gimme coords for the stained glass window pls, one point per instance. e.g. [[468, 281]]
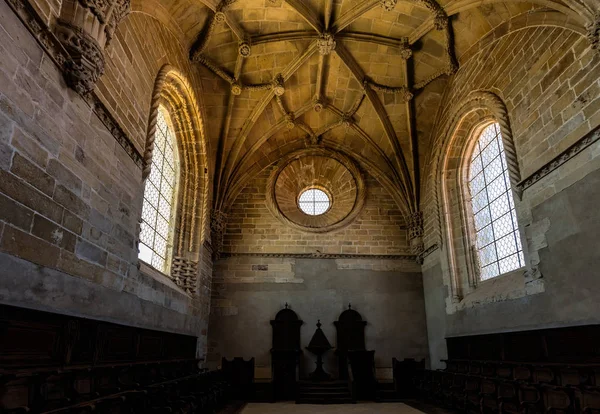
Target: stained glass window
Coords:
[[498, 241], [314, 202], [159, 198]]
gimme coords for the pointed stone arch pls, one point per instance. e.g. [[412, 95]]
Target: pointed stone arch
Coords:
[[173, 91]]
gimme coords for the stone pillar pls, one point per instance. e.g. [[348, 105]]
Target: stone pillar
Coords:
[[218, 223], [85, 28], [415, 233]]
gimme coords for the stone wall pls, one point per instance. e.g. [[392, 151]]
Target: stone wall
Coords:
[[251, 228], [70, 195], [248, 292], [266, 264], [548, 77]]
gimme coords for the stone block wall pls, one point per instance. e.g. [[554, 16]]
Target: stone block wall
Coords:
[[548, 80], [70, 195], [548, 77], [251, 228], [265, 264]]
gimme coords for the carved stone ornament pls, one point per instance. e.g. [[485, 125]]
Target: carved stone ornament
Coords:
[[244, 49], [347, 120], [440, 20], [218, 223], [289, 121], [278, 87], [184, 273], [220, 17], [415, 233], [388, 5], [85, 28], [326, 43], [236, 88], [594, 32], [407, 95], [312, 140], [452, 68], [318, 105], [86, 60], [405, 51]]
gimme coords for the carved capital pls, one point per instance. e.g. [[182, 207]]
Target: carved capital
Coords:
[[218, 223], [388, 5], [415, 232], [85, 28], [278, 87], [85, 64], [326, 43]]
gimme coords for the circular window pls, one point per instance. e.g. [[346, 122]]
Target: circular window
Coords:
[[314, 202]]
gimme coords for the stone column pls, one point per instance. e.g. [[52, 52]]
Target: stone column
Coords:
[[85, 28]]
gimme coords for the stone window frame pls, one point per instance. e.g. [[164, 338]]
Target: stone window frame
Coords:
[[457, 227], [191, 218], [467, 217]]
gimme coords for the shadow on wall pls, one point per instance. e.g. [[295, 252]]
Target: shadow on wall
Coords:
[[389, 296]]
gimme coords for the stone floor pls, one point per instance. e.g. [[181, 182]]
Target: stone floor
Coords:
[[361, 408]]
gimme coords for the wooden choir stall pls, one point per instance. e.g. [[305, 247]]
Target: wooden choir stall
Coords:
[[285, 354]]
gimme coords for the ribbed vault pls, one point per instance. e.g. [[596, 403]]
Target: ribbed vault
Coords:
[[365, 77]]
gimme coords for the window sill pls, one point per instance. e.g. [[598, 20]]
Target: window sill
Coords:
[[160, 277], [509, 286]]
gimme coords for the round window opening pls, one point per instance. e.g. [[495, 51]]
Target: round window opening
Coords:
[[314, 202]]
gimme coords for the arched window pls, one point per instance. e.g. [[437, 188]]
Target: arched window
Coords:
[[498, 242], [158, 212]]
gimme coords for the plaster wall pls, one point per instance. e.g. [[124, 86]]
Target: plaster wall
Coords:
[[388, 294], [570, 266], [548, 79]]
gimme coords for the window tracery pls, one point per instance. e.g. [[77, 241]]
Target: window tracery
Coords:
[[158, 213], [497, 238]]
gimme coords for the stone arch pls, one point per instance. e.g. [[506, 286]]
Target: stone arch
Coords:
[[173, 91], [535, 18], [380, 176], [454, 227]]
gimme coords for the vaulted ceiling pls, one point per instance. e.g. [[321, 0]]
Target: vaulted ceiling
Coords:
[[362, 76]]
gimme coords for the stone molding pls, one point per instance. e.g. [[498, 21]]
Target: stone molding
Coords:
[[406, 256], [59, 55], [361, 196], [587, 140]]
